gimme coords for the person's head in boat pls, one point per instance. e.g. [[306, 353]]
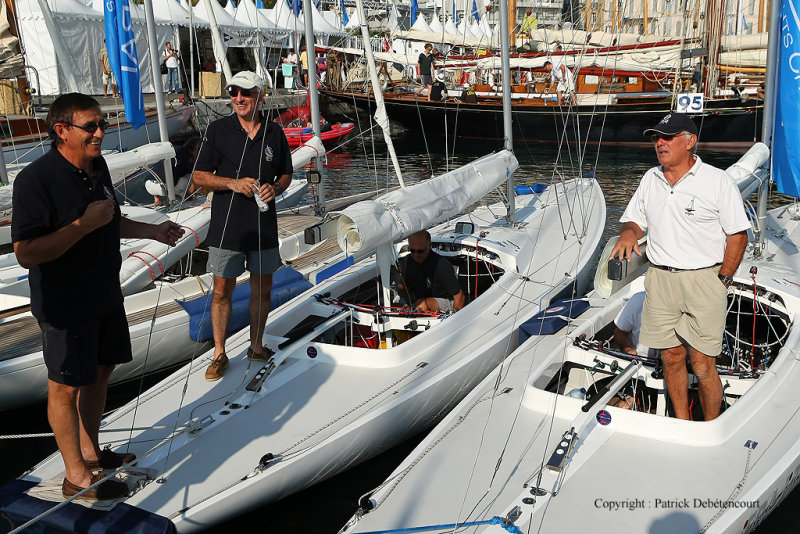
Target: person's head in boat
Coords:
[[419, 245], [675, 140], [77, 127], [246, 93]]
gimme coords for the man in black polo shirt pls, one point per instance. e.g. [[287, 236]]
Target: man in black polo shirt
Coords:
[[425, 69], [66, 229], [429, 277], [241, 155]]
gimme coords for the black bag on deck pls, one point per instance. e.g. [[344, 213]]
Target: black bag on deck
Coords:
[[163, 67]]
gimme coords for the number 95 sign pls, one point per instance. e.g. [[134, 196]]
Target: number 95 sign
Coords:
[[689, 103]]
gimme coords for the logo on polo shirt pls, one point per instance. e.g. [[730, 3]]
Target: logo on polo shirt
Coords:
[[690, 208], [268, 153], [109, 194]]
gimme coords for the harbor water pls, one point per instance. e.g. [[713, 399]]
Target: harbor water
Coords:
[[359, 164]]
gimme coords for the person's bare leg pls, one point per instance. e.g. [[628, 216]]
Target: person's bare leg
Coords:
[[677, 379], [62, 413], [710, 386], [91, 403], [221, 307], [430, 88], [260, 301]]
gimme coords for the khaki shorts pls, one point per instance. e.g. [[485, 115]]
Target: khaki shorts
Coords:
[[687, 305]]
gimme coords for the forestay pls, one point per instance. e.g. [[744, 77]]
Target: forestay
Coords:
[[398, 214]]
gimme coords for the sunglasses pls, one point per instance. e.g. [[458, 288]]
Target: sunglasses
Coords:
[[233, 91], [417, 250], [90, 127], [656, 136]]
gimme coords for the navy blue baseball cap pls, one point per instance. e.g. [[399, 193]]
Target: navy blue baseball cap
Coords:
[[674, 123]]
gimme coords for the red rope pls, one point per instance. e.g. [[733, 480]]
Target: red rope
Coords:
[[476, 268], [197, 237], [152, 272], [755, 305]]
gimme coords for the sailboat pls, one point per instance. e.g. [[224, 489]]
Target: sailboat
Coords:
[[353, 373], [526, 451]]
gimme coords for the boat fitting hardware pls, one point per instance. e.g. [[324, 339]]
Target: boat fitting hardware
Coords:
[[538, 492], [513, 515]]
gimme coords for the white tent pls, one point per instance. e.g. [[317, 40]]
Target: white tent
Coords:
[[354, 21], [435, 26], [83, 31], [421, 24], [174, 11], [450, 27], [270, 34]]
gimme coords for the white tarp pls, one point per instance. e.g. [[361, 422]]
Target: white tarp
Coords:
[[396, 215], [446, 38], [420, 25], [82, 28]]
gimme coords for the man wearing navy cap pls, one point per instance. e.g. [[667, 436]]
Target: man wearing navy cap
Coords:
[[242, 156], [697, 234]]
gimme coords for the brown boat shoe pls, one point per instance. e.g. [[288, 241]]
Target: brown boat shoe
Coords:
[[216, 368], [108, 490], [110, 460], [253, 357]]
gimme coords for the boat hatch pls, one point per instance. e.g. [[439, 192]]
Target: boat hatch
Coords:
[[750, 346]]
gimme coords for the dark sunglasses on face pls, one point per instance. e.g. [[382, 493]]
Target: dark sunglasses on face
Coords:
[[417, 250], [90, 127], [656, 136], [233, 91]]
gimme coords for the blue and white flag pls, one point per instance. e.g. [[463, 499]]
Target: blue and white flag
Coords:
[[455, 13], [260, 4], [414, 9], [345, 18], [296, 5], [786, 140], [121, 46], [474, 11]]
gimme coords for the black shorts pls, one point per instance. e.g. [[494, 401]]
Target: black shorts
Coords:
[[73, 352]]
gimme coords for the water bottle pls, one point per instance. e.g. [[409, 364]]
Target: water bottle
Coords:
[[262, 206], [577, 393]]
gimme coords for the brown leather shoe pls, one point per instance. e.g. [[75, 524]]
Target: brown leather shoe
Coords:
[[108, 490], [264, 357], [216, 368], [110, 460]]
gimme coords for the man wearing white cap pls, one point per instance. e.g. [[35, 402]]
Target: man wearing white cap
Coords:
[[697, 233], [243, 156]]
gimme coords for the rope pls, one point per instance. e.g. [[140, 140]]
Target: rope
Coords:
[[496, 520], [152, 272], [196, 237]]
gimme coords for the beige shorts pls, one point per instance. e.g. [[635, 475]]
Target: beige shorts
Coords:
[[687, 305]]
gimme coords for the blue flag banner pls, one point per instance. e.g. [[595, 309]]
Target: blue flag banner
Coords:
[[296, 5], [414, 10], [345, 18], [455, 13], [260, 4], [475, 11], [121, 46], [786, 140]]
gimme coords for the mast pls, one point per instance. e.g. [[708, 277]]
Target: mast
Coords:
[[768, 124], [508, 143], [155, 66], [380, 113], [311, 55], [191, 47]]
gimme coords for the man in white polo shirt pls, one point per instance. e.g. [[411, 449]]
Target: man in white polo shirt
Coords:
[[697, 234]]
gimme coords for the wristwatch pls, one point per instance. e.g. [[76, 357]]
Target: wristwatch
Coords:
[[726, 280]]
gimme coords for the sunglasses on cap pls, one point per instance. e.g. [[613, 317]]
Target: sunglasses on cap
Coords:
[[89, 127], [656, 136], [233, 91]]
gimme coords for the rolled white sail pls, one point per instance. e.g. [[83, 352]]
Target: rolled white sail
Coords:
[[744, 172], [302, 156], [398, 214]]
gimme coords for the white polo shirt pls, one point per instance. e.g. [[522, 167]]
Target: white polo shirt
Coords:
[[687, 225]]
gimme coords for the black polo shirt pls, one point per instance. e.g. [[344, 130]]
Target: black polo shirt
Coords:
[[434, 277], [425, 63], [266, 157], [49, 194]]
